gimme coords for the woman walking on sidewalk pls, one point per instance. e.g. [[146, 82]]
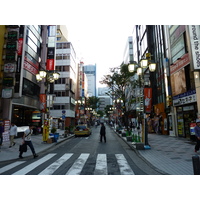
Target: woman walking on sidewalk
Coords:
[[13, 133], [197, 134], [27, 141]]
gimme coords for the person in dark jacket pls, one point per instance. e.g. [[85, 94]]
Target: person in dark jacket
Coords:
[[103, 133], [197, 134]]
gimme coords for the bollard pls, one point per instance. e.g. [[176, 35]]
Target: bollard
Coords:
[[196, 164]]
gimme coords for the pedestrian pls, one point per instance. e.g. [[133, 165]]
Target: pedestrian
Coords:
[[103, 133], [1, 133], [27, 141], [96, 124], [13, 133], [197, 134]]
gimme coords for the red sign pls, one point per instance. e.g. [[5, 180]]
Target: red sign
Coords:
[[50, 64], [30, 68], [182, 62], [147, 99], [43, 100], [20, 45]]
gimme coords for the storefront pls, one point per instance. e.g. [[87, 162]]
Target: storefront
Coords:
[[22, 116], [186, 111], [185, 116]]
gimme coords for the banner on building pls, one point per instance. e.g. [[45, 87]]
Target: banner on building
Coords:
[[147, 99], [43, 100], [194, 33], [50, 64]]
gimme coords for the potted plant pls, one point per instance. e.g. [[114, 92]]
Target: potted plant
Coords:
[[53, 130]]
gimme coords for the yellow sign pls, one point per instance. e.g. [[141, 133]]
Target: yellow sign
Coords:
[[45, 131]]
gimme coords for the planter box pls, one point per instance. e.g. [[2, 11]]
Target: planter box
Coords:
[[129, 138], [139, 146], [123, 134]]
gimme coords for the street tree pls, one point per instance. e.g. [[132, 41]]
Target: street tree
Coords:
[[117, 82]]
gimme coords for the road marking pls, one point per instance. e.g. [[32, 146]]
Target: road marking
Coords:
[[10, 166], [30, 167], [78, 165], [101, 165], [124, 167], [54, 166]]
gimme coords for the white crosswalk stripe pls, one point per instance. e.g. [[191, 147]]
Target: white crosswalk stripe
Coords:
[[78, 165], [30, 167], [101, 165], [124, 167], [54, 166], [10, 166]]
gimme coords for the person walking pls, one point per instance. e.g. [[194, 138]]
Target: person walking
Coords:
[[197, 134], [103, 133], [13, 133], [27, 141], [1, 133]]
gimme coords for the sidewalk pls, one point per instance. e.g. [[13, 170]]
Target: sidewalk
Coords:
[[12, 153], [169, 155]]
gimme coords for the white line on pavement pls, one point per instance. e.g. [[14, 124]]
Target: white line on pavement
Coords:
[[78, 165], [8, 167], [54, 166], [124, 167], [101, 165], [30, 167]]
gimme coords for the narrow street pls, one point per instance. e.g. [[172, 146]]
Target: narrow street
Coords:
[[83, 156]]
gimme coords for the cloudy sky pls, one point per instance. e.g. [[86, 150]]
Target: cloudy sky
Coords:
[[98, 29]]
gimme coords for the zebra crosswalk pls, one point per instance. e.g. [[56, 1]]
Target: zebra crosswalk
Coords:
[[50, 163]]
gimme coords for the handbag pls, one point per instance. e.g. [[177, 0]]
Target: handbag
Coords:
[[23, 147]]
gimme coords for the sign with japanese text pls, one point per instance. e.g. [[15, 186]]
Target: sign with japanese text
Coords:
[[147, 99], [10, 67]]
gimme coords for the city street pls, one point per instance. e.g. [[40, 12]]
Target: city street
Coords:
[[82, 156]]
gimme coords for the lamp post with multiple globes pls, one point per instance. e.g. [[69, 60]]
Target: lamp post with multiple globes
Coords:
[[141, 68]]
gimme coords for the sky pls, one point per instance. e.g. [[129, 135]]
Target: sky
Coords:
[[98, 29]]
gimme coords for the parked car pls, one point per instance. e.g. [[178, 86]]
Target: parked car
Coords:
[[82, 130]]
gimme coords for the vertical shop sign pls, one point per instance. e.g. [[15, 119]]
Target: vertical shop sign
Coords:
[[43, 100], [6, 130], [195, 45], [20, 45], [148, 99], [50, 64]]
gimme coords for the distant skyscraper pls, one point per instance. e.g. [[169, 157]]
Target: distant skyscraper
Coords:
[[90, 71]]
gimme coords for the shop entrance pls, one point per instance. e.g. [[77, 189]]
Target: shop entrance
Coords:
[[185, 115]]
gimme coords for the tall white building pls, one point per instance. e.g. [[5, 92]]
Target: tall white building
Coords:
[[65, 86], [104, 99], [90, 71]]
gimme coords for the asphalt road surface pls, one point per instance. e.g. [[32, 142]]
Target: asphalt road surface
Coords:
[[83, 156]]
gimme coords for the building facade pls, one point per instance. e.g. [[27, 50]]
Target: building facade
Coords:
[[175, 83], [65, 87], [21, 54], [90, 71]]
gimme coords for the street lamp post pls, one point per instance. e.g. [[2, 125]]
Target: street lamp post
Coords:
[[80, 103], [48, 77], [141, 67]]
